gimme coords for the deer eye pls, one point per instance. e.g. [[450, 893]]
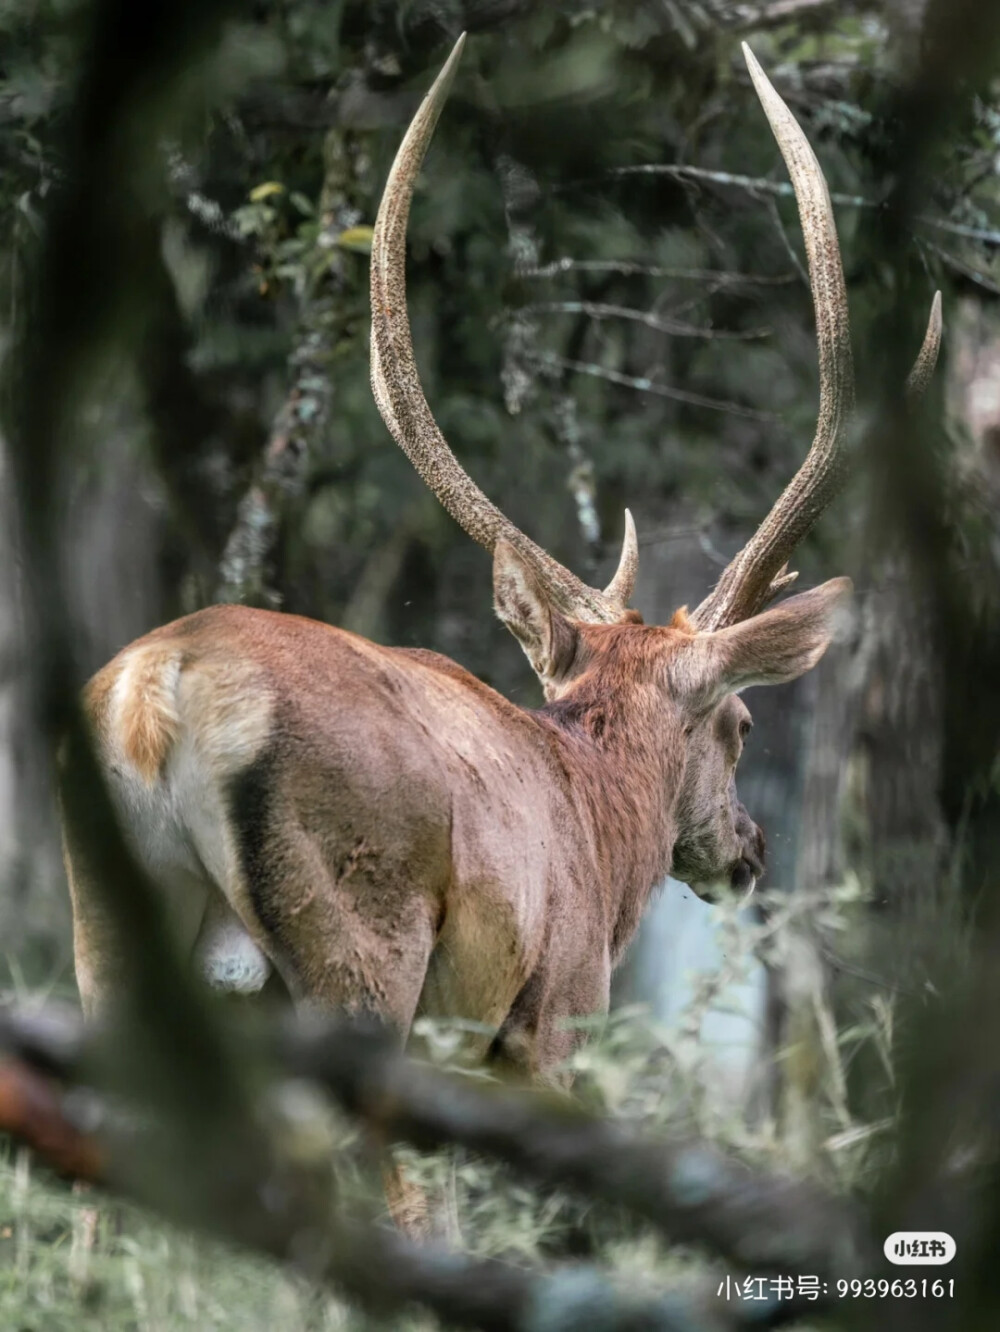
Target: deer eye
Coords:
[[746, 726]]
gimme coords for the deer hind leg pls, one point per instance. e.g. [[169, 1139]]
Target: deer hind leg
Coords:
[[97, 955], [359, 961], [345, 931], [100, 955], [349, 955], [100, 962]]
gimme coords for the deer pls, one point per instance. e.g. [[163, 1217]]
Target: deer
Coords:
[[390, 836]]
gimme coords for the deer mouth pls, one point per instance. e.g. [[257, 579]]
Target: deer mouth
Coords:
[[750, 866], [742, 881], [745, 876]]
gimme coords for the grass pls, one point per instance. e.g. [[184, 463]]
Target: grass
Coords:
[[140, 1274], [143, 1275]]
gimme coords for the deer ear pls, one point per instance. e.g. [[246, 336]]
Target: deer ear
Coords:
[[521, 602], [778, 645]]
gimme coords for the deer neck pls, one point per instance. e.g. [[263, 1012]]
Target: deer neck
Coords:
[[625, 776]]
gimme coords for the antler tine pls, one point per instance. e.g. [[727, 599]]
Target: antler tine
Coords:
[[923, 367], [621, 587], [745, 585], [401, 401]]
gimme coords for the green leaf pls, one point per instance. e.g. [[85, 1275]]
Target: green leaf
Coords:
[[356, 238], [265, 191]]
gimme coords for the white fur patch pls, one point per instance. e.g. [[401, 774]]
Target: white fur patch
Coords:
[[230, 960]]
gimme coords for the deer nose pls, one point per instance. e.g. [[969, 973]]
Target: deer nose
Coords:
[[759, 848], [742, 878], [751, 841]]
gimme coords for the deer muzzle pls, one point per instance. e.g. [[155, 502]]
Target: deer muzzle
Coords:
[[750, 866]]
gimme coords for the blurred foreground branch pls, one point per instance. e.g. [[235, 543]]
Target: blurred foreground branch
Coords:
[[286, 1205], [685, 1187]]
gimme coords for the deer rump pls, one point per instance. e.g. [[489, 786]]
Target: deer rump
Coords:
[[386, 818]]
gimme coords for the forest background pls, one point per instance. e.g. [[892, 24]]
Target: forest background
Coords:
[[609, 305]]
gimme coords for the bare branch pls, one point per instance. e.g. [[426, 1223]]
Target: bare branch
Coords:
[[677, 328], [789, 248], [686, 1188], [957, 265], [779, 11], [752, 184], [761, 185], [629, 268], [988, 235], [644, 384]]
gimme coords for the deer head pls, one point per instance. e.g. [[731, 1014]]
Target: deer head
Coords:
[[730, 641]]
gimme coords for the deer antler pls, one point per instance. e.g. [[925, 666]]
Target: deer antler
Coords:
[[923, 367], [759, 571], [404, 408]]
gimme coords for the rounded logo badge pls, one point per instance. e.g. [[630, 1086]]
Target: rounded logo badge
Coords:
[[919, 1248]]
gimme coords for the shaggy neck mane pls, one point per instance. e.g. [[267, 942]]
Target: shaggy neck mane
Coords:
[[623, 763]]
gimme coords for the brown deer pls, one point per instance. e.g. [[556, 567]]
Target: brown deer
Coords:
[[389, 834]]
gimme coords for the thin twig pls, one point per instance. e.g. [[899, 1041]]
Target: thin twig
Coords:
[[676, 327], [760, 185], [988, 235], [643, 384], [779, 226], [660, 535], [779, 11], [953, 262], [629, 268], [752, 184]]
